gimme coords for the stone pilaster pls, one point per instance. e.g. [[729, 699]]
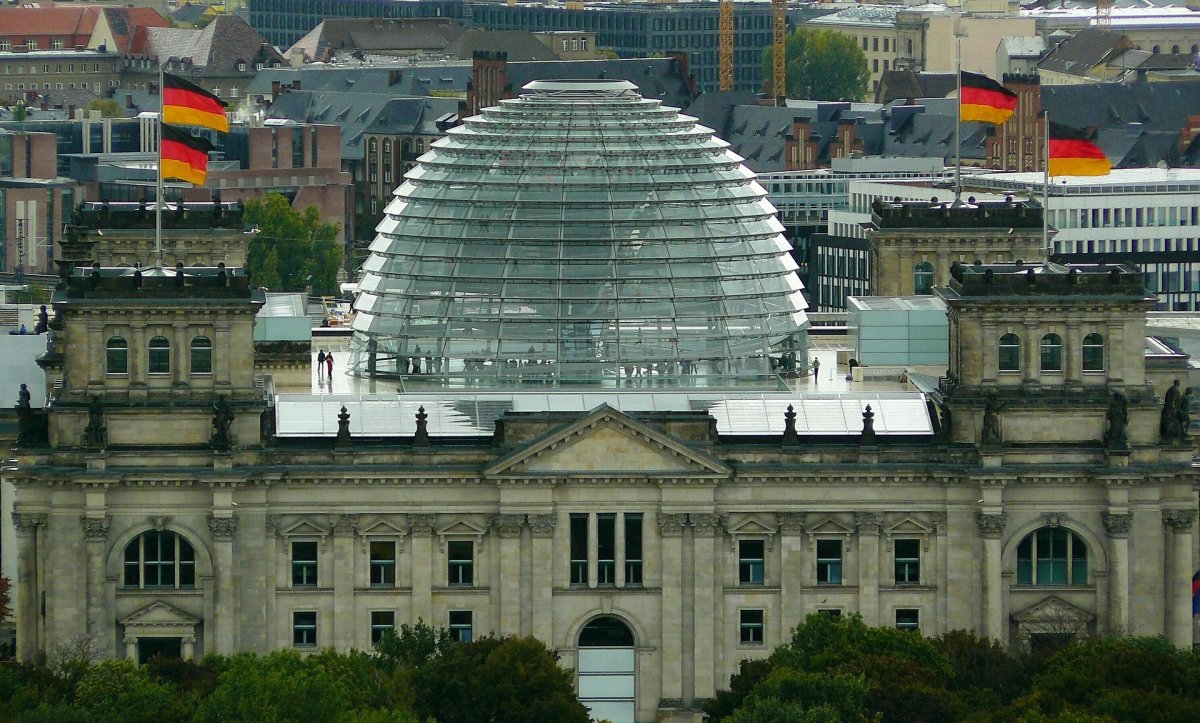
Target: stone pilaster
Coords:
[[541, 526], [345, 528], [1117, 525], [791, 569], [223, 530], [671, 527], [991, 528], [1179, 584], [706, 534], [31, 631], [868, 565], [95, 535], [510, 527], [421, 529]]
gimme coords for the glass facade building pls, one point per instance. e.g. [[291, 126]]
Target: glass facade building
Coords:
[[580, 234]]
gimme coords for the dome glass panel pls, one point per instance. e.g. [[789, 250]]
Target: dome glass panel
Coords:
[[580, 235]]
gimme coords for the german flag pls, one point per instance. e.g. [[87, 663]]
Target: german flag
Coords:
[[983, 99], [1072, 153], [187, 104], [184, 156]]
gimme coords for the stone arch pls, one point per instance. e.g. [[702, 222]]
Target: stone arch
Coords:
[[116, 552], [1097, 552], [640, 636]]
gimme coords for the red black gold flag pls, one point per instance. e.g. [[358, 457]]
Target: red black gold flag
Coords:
[[983, 99], [1072, 153], [187, 104], [184, 156]]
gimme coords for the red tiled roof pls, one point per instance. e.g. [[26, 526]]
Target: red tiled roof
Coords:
[[128, 26], [40, 22]]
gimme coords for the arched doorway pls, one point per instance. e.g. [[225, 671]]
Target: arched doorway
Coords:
[[607, 679]]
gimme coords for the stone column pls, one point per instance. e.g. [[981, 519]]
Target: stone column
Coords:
[[131, 642], [421, 529], [991, 353], [345, 528], [542, 528], [223, 530], [791, 570], [1179, 583], [706, 529], [991, 528], [95, 535], [593, 549], [138, 356], [1114, 353], [868, 565], [1117, 524], [276, 580], [1072, 355], [188, 651], [29, 628], [181, 363], [671, 528], [619, 558], [509, 527]]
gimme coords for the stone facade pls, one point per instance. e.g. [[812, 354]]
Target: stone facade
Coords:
[[195, 234], [709, 549]]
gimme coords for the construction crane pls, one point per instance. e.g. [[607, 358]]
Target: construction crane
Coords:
[[778, 50], [1104, 13]]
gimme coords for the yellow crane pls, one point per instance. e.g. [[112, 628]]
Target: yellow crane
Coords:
[[1104, 13], [778, 50]]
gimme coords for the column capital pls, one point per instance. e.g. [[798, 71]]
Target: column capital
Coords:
[[1180, 521], [223, 529], [706, 524], [790, 523], [671, 525], [542, 525], [1117, 524], [991, 526], [508, 524], [94, 528], [344, 524], [421, 523], [868, 522], [26, 523]]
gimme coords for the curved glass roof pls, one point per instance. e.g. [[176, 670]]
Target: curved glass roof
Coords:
[[579, 234]]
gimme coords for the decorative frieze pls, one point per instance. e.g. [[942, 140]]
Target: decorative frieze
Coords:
[[223, 529], [671, 525], [421, 523], [790, 523], [991, 526], [94, 528], [343, 524], [1054, 519], [868, 522], [1117, 524]]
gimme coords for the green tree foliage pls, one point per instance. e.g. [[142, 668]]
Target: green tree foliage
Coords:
[[822, 65], [5, 598], [118, 691], [985, 674], [292, 249], [414, 645], [281, 688], [108, 108]]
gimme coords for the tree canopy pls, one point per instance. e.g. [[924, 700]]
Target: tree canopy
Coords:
[[292, 249], [822, 65]]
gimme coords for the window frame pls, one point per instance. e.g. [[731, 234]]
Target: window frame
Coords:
[[1092, 349], [110, 349], [1009, 343], [752, 571], [457, 628], [197, 351], [830, 567], [181, 563], [460, 564], [385, 566], [1030, 565], [305, 629], [923, 270], [907, 569], [1050, 347], [158, 356], [301, 567], [911, 621], [748, 628], [379, 628], [606, 549], [634, 566], [576, 543]]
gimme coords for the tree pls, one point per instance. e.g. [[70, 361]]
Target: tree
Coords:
[[108, 108], [119, 691], [5, 598], [281, 687], [822, 65], [292, 249]]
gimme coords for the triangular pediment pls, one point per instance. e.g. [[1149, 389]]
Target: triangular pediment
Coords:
[[606, 441], [159, 613], [461, 527], [304, 528], [1053, 609], [828, 526], [381, 528], [750, 527], [908, 526]]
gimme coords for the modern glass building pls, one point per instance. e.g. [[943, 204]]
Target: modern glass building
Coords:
[[580, 234]]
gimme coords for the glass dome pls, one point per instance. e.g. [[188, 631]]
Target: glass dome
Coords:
[[579, 234]]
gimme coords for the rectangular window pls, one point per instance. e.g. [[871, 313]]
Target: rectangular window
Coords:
[[460, 626], [829, 562], [383, 564], [382, 622], [751, 562], [606, 549], [304, 564], [750, 627], [304, 628], [908, 562], [461, 555], [579, 549], [633, 549], [908, 618]]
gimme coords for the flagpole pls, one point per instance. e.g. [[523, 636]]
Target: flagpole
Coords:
[[158, 198], [1046, 183], [958, 110]]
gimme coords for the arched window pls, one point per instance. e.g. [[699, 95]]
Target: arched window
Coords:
[[160, 355], [116, 355], [1093, 353], [1156, 50], [1195, 48], [201, 355], [1052, 556], [1010, 353], [923, 278], [1175, 49], [1052, 353], [159, 559]]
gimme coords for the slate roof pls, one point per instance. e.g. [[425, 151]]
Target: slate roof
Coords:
[[399, 36], [128, 26], [1083, 51], [1157, 106], [412, 80], [189, 13], [909, 85], [658, 78], [520, 45], [218, 48]]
